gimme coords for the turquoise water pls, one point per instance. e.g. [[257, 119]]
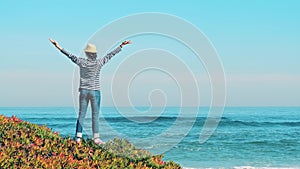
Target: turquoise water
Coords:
[[266, 137]]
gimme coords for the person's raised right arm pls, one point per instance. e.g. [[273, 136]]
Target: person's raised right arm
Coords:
[[69, 55]]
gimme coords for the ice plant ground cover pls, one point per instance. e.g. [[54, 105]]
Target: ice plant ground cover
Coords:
[[26, 145]]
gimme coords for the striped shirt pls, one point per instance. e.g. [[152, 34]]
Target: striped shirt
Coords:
[[90, 68]]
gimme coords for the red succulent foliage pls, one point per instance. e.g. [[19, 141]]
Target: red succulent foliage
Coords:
[[25, 145]]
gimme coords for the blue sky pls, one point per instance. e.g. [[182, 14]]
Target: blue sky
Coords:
[[257, 42]]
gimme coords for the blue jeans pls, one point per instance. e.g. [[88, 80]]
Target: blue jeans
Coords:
[[85, 97]]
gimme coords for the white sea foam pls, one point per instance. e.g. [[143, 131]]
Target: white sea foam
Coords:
[[250, 167], [244, 167]]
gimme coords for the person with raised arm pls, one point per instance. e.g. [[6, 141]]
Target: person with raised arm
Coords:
[[89, 85]]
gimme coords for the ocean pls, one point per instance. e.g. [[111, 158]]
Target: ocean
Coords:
[[246, 137]]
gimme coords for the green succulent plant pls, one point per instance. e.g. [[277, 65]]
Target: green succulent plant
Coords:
[[26, 145]]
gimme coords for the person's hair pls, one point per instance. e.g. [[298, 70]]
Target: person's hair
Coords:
[[91, 55]]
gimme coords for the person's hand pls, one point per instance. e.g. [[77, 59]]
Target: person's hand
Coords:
[[126, 42], [55, 44]]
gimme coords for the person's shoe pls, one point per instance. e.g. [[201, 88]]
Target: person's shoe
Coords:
[[78, 140], [98, 141]]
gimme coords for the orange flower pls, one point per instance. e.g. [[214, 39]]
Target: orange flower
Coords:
[[38, 141]]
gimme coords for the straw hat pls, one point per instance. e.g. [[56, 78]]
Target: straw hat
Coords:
[[90, 48]]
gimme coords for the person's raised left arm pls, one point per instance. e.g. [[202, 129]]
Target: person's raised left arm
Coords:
[[74, 58]]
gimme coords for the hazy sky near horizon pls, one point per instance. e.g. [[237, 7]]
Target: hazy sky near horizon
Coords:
[[257, 42]]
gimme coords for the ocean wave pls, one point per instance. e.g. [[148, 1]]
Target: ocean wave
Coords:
[[259, 124], [251, 167], [243, 167], [224, 121]]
